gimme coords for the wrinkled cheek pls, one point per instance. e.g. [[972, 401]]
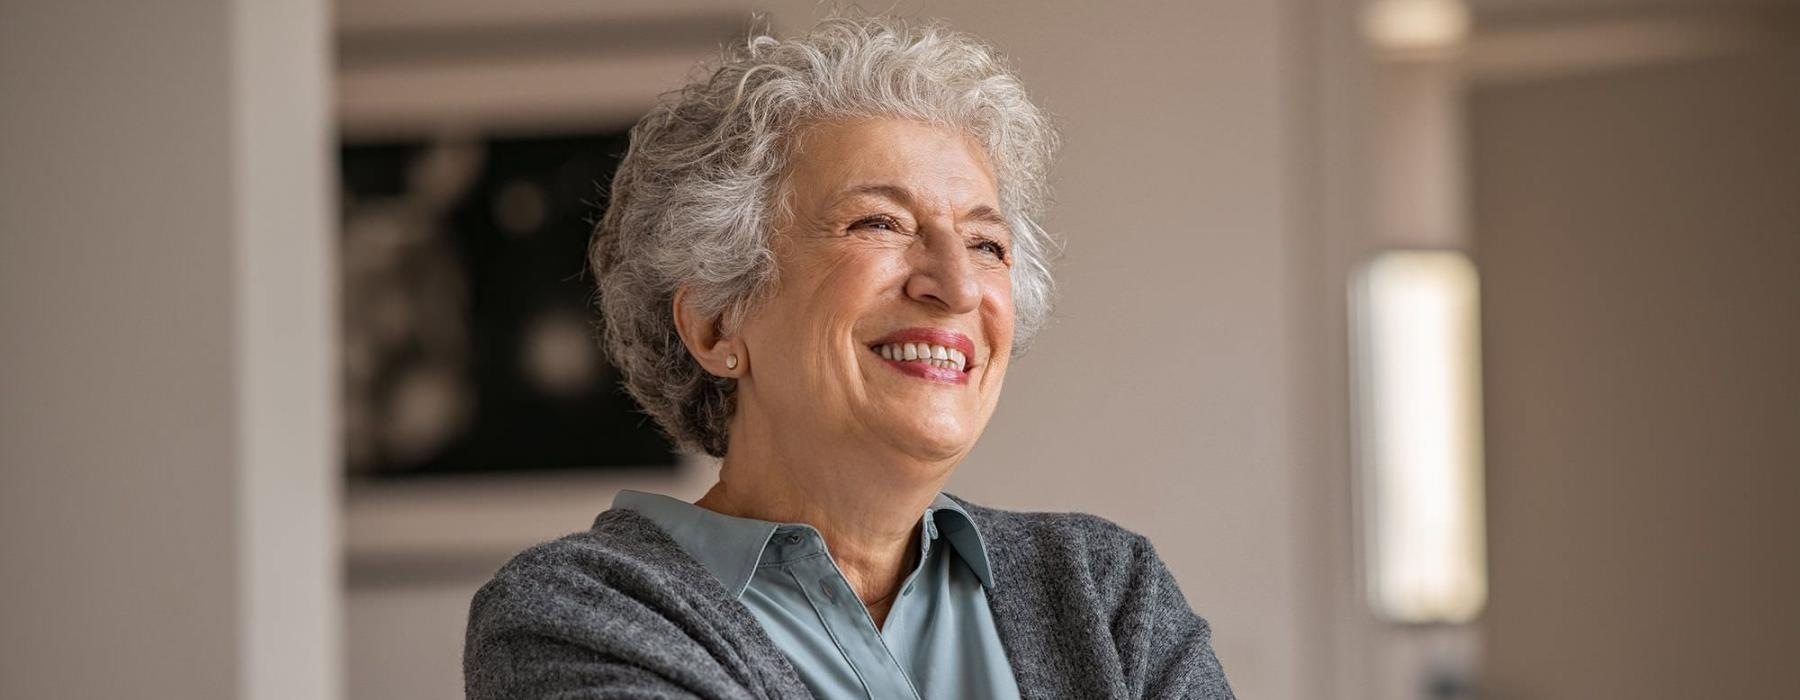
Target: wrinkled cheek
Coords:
[[1000, 325]]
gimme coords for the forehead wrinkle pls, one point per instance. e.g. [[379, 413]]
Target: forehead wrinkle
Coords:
[[980, 213], [894, 193]]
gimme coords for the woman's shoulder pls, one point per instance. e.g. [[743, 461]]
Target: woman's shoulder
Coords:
[[623, 560], [617, 538], [617, 603], [1075, 592], [1052, 528], [1049, 547]]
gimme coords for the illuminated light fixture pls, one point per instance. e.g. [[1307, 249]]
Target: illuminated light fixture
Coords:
[[1415, 25], [1418, 421]]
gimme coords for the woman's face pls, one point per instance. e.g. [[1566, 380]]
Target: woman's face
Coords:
[[894, 239]]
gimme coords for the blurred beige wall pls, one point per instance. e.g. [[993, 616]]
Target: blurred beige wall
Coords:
[[1640, 234], [117, 509], [167, 446]]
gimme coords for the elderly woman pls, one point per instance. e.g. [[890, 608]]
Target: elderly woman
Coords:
[[817, 265]]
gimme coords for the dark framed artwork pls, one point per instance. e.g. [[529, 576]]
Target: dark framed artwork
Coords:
[[469, 330]]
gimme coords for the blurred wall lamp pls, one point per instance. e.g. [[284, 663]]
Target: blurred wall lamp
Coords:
[[1415, 25], [1417, 387]]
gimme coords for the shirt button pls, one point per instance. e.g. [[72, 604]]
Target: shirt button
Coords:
[[908, 590], [793, 539]]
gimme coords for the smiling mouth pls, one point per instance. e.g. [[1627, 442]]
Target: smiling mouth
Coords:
[[932, 354]]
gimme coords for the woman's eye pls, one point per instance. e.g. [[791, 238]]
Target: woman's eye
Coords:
[[993, 248], [878, 222]]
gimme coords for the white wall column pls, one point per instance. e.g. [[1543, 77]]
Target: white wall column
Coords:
[[168, 470]]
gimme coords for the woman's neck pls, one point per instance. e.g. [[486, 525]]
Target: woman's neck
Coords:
[[867, 511]]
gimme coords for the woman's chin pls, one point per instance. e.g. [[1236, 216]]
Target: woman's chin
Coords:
[[931, 441]]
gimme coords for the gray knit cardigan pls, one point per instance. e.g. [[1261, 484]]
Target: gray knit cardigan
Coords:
[[1084, 608]]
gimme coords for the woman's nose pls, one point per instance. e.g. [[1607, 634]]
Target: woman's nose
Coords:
[[942, 274]]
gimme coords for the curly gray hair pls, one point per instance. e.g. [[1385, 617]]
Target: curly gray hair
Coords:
[[699, 193]]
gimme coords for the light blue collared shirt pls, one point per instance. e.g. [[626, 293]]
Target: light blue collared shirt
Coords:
[[938, 641]]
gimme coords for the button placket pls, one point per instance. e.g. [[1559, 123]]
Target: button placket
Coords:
[[852, 629]]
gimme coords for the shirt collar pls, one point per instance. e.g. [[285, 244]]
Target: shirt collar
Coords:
[[956, 525], [731, 547]]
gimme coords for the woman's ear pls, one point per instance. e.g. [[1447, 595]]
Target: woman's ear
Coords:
[[719, 355]]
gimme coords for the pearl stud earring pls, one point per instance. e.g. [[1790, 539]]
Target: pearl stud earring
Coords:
[[731, 362]]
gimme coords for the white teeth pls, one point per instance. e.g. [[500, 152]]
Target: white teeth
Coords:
[[934, 355]]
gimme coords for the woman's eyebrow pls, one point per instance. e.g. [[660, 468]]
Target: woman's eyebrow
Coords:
[[985, 214]]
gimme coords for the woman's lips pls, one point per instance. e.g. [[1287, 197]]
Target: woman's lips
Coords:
[[928, 353]]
